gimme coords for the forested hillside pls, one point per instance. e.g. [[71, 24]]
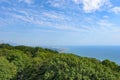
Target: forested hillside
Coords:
[[36, 63]]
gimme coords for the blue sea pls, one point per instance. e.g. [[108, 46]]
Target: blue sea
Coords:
[[100, 52]]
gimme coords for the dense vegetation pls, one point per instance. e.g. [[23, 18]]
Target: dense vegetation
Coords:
[[35, 63]]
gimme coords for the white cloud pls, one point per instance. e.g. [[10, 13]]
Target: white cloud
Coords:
[[106, 17], [59, 20], [27, 1], [54, 15], [116, 10], [92, 5], [107, 26], [56, 3], [67, 27], [105, 23], [77, 1], [33, 18]]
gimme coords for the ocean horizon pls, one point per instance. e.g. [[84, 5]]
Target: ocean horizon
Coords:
[[111, 53]]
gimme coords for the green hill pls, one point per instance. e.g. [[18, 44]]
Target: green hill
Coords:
[[36, 63]]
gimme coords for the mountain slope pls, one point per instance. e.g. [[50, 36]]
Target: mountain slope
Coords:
[[36, 63]]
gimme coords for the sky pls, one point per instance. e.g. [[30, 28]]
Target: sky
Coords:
[[60, 22]]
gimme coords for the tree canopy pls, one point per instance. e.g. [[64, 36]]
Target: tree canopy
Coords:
[[36, 63]]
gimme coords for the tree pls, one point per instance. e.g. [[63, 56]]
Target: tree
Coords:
[[7, 70]]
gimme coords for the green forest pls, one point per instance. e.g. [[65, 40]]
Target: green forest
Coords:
[[36, 63]]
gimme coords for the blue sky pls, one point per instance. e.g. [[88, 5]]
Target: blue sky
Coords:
[[60, 22]]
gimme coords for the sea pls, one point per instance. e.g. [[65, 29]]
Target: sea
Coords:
[[111, 53]]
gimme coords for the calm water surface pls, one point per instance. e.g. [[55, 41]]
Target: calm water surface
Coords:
[[100, 52]]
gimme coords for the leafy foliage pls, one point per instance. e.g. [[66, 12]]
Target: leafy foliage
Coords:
[[35, 63], [7, 70]]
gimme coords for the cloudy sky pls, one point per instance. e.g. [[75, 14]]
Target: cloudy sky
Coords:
[[60, 22]]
